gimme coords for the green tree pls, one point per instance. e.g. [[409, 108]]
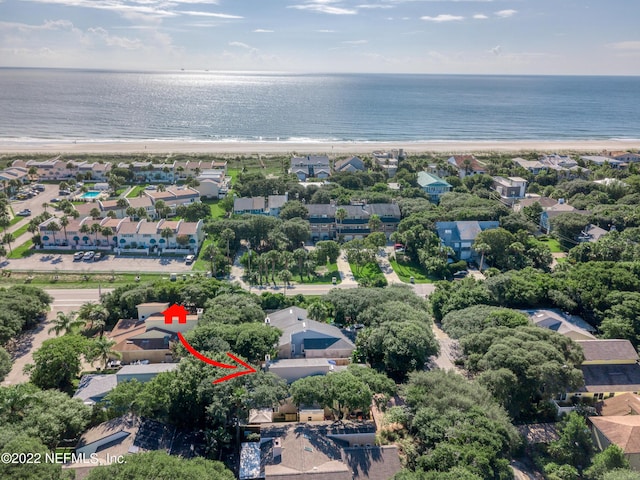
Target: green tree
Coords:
[[101, 349], [227, 236], [294, 209], [327, 251], [5, 363], [57, 362], [166, 233], [317, 311], [611, 458], [23, 444], [160, 465], [123, 399], [574, 446], [65, 323]]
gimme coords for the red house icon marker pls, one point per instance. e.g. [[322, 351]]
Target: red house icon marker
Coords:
[[175, 311]]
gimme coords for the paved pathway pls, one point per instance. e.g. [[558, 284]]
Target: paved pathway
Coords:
[[382, 257], [63, 301], [448, 350]]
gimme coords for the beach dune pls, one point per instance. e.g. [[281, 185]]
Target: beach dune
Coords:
[[337, 149]]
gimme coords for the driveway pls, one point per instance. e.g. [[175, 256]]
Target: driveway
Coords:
[[51, 262], [22, 352], [448, 350], [382, 257]]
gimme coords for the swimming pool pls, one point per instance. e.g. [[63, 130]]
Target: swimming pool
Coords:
[[90, 194]]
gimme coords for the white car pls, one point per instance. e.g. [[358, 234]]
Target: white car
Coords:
[[88, 255], [189, 259]]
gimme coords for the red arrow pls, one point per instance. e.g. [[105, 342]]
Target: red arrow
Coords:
[[201, 357]]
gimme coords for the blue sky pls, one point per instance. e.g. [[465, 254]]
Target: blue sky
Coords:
[[406, 36]]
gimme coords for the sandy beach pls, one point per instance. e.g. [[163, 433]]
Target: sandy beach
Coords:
[[337, 149]]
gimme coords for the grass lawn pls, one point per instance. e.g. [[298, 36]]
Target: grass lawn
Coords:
[[78, 279], [324, 276], [216, 210], [552, 243], [15, 219], [406, 270], [23, 229], [135, 192], [370, 271], [22, 251], [233, 173], [201, 264]]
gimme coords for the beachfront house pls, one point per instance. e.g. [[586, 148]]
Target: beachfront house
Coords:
[[352, 164], [466, 165], [327, 224], [510, 188], [311, 166]]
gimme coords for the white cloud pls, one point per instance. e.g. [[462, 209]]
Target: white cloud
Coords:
[[373, 6], [480, 16], [628, 45], [497, 50], [240, 45], [506, 13], [262, 30], [324, 6], [355, 42], [325, 31], [208, 14], [443, 18]]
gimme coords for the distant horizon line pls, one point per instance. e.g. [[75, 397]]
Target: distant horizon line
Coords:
[[283, 72]]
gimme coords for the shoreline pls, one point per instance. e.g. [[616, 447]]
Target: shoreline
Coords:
[[337, 148]]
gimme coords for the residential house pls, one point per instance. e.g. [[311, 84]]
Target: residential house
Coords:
[[292, 369], [305, 338], [325, 225], [93, 387], [319, 450], [459, 236], [591, 233], [19, 174], [544, 202], [275, 204], [353, 164], [212, 184], [510, 188], [466, 165], [433, 186], [389, 161], [249, 205], [561, 207], [119, 437], [114, 206], [311, 166], [143, 202], [572, 327], [601, 160], [149, 339], [619, 406], [174, 196], [531, 166], [610, 368], [565, 166], [623, 431], [150, 172], [626, 157]]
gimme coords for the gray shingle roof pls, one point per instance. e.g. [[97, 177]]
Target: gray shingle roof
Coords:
[[293, 320]]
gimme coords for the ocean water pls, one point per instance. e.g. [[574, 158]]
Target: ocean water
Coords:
[[87, 105]]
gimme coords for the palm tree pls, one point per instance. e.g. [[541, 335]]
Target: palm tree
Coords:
[[341, 215], [85, 229], [45, 205], [300, 255], [483, 249], [107, 232], [122, 203], [7, 238], [95, 229], [273, 256], [161, 187], [130, 212], [226, 236], [65, 323], [142, 213], [102, 349], [3, 252], [95, 314], [53, 227], [161, 208], [286, 277], [211, 253], [374, 223], [64, 221], [166, 233], [95, 213]]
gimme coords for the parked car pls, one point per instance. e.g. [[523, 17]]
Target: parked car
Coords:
[[97, 256], [78, 256], [189, 259], [460, 274], [24, 213], [64, 192], [39, 187], [88, 255], [55, 200]]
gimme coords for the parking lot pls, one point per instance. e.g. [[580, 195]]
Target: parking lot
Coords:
[[39, 262]]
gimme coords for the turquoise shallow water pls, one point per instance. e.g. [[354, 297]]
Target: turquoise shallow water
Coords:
[[87, 105]]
